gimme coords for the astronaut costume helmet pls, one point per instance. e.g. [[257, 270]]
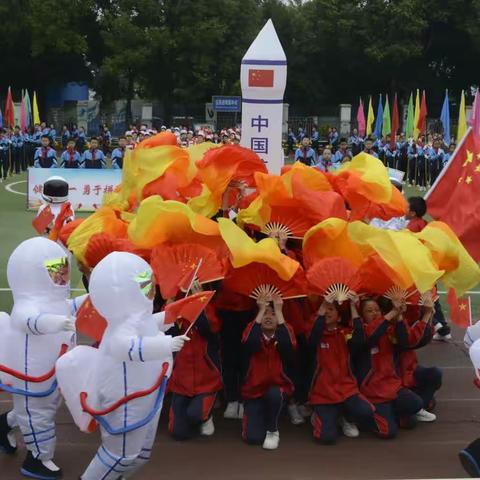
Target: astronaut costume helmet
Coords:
[[55, 190]]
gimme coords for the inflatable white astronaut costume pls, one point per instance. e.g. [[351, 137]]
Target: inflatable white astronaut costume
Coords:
[[30, 342], [129, 360]]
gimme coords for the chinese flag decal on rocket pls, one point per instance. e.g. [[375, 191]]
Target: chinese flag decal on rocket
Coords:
[[260, 78]]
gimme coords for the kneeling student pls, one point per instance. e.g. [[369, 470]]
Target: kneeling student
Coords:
[[268, 348], [196, 378]]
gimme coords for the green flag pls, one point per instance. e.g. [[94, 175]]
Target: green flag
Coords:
[[387, 126], [409, 127]]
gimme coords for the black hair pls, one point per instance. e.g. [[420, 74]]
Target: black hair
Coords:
[[343, 140], [122, 136], [45, 136], [385, 305], [417, 205], [368, 139], [93, 138]]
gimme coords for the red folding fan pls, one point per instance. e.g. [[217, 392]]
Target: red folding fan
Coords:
[[172, 264], [333, 276], [378, 278], [258, 279], [102, 244]]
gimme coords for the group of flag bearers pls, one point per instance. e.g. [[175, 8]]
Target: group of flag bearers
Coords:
[[201, 256]]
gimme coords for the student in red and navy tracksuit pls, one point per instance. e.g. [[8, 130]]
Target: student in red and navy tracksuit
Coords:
[[196, 378], [424, 381], [268, 349], [376, 367], [334, 390]]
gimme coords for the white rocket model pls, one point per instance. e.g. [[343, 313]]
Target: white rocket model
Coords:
[[263, 78]]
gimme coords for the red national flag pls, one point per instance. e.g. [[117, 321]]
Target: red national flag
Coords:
[[455, 196], [188, 308], [422, 117], [395, 123], [90, 322], [460, 309], [43, 220], [9, 110], [260, 78]]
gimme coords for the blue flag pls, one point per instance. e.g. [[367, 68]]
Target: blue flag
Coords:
[[1, 119], [379, 119], [445, 119]]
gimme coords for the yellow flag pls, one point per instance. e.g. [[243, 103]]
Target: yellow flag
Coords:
[[36, 115], [416, 131], [370, 118], [462, 119]]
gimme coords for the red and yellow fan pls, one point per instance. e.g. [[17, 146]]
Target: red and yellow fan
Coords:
[[102, 244], [333, 277], [173, 264], [256, 279]]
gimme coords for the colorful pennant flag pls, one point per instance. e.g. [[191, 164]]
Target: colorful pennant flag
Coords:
[[416, 131], [9, 110], [36, 115], [410, 118], [445, 119], [23, 115], [28, 109], [395, 123], [462, 118], [370, 118], [379, 121], [361, 119], [387, 126], [422, 117]]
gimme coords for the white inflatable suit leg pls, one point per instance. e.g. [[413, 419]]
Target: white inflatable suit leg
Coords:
[[36, 419], [122, 455]]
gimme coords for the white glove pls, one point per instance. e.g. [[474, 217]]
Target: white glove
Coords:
[[179, 342], [49, 323]]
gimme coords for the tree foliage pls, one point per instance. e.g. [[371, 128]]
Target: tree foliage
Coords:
[[185, 51]]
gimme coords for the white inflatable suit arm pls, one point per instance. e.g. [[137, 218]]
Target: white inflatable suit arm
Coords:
[[134, 348], [76, 303], [472, 334], [160, 321], [46, 323]]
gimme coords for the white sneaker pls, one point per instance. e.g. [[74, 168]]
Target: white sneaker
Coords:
[[442, 338], [271, 441], [240, 411], [207, 428], [294, 414], [349, 429], [305, 411], [424, 416], [231, 412]]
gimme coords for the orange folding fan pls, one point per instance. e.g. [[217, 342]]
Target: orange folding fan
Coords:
[[171, 264], [333, 276], [256, 279]]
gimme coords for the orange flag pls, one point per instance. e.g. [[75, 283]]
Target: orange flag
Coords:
[[43, 220], [188, 308], [460, 309], [90, 322], [454, 197]]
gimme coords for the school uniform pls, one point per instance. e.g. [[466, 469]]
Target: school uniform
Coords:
[[65, 138], [322, 164], [267, 381], [81, 141], [338, 156], [402, 156], [424, 381], [417, 164], [334, 389], [4, 157], [117, 158], [371, 152], [17, 152], [71, 159], [305, 155], [45, 157], [390, 155], [196, 377], [93, 159], [436, 160], [356, 144], [377, 372], [333, 140]]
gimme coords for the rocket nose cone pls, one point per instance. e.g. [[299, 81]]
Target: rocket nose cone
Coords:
[[266, 46]]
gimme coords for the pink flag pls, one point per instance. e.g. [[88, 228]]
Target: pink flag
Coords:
[[361, 119], [23, 116], [472, 114]]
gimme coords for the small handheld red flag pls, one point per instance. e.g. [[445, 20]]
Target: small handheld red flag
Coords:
[[460, 309], [188, 308], [90, 322], [43, 220]]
